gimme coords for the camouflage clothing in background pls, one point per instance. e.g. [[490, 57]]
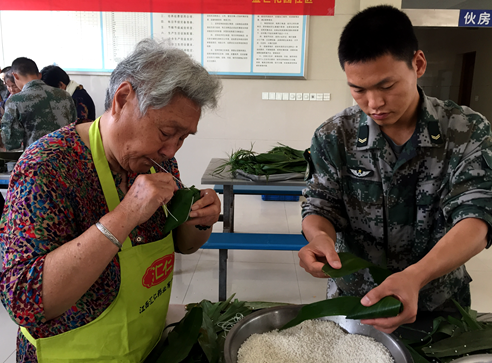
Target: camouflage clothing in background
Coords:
[[34, 112], [393, 211]]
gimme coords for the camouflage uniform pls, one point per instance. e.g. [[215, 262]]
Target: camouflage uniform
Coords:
[[36, 111], [392, 211]]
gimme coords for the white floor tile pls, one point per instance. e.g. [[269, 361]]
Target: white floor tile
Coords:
[[311, 288], [8, 335], [250, 282], [184, 268], [11, 359], [250, 256], [481, 262]]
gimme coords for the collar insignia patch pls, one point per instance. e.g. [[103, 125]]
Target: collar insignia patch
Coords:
[[436, 137]]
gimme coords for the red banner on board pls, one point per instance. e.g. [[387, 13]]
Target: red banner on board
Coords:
[[256, 7]]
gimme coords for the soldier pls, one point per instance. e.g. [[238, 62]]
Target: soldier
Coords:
[[37, 110], [404, 179]]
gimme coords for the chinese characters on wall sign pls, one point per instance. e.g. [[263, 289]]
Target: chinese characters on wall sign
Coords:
[[475, 18]]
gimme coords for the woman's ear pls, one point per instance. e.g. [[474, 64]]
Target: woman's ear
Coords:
[[120, 99]]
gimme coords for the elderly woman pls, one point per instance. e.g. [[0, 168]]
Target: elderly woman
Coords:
[[87, 267]]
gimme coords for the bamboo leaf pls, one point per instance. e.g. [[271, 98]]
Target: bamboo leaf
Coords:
[[208, 340], [465, 343], [180, 206], [349, 306], [257, 305], [183, 337], [352, 263], [416, 356], [471, 323]]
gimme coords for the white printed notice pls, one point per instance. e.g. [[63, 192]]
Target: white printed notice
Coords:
[[122, 31], [227, 43], [278, 45], [181, 30]]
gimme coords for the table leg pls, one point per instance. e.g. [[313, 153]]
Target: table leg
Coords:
[[228, 217], [222, 275], [228, 209]]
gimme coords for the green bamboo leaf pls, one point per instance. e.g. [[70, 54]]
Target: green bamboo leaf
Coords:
[[257, 305], [468, 342], [180, 206], [471, 323], [349, 306], [458, 323], [183, 337], [208, 340], [352, 263]]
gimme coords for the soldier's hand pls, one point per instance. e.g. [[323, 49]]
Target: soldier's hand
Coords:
[[319, 251], [404, 287]]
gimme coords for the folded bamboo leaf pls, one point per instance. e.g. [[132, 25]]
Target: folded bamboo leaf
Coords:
[[180, 206], [458, 323], [183, 337], [471, 323], [465, 343], [352, 263], [349, 306]]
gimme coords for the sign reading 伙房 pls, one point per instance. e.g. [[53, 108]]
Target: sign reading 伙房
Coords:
[[475, 18]]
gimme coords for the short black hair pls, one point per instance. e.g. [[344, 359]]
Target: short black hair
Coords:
[[53, 75], [24, 66], [7, 71], [377, 31]]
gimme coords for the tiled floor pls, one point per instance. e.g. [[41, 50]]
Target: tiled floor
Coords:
[[259, 275]]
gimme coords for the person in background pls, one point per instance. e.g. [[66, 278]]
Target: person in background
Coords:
[[56, 77], [35, 111], [88, 265], [4, 92], [403, 180]]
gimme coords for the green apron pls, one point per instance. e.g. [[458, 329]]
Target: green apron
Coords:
[[131, 326]]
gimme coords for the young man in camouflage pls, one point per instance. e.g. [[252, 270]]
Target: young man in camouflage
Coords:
[[403, 178], [35, 111]]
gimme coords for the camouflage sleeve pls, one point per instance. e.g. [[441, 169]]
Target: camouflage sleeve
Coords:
[[73, 111], [470, 184], [324, 191], [12, 130]]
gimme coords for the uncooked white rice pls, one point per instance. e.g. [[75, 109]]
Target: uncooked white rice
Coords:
[[312, 341]]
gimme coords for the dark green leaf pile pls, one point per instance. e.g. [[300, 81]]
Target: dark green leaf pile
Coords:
[[281, 159]]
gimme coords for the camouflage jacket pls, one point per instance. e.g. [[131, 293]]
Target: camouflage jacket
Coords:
[[34, 112], [393, 211]]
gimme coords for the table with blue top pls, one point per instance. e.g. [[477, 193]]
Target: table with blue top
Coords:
[[225, 184]]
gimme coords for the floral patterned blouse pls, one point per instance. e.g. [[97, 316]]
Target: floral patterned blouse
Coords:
[[54, 196]]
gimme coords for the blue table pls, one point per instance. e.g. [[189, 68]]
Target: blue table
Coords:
[[225, 184]]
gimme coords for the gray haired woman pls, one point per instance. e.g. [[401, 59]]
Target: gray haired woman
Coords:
[[88, 267]]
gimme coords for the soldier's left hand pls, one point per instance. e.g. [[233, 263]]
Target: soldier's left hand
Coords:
[[404, 287], [206, 210]]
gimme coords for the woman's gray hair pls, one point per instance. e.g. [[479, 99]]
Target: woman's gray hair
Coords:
[[157, 72]]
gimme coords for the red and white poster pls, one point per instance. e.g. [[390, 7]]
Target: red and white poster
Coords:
[[252, 7]]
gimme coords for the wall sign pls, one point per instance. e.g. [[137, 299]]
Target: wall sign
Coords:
[[226, 44], [475, 18]]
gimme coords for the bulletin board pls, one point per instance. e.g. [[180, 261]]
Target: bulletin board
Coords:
[[237, 45]]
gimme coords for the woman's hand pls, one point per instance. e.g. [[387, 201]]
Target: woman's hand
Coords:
[[206, 211], [147, 194]]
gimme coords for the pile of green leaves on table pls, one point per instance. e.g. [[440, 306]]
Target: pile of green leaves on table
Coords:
[[279, 160]]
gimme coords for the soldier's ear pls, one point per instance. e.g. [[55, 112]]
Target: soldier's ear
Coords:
[[16, 75]]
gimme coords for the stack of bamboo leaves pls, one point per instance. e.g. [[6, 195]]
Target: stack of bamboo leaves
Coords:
[[281, 159]]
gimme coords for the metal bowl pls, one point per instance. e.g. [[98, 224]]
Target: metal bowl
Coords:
[[266, 320]]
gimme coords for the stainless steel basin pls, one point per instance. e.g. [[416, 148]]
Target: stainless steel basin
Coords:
[[274, 318]]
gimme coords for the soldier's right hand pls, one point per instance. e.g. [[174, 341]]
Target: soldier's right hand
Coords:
[[319, 251], [148, 192]]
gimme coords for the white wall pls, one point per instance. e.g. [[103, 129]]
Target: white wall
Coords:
[[243, 117], [444, 49]]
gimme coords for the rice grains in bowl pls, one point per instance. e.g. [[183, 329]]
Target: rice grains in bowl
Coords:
[[312, 341]]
